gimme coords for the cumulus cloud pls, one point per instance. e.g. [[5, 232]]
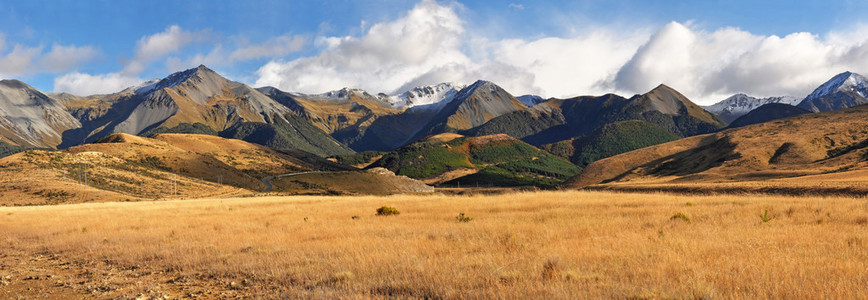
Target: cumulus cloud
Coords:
[[86, 84], [156, 46], [389, 55], [516, 6], [709, 66], [429, 45], [21, 60]]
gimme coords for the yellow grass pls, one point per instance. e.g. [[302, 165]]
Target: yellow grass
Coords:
[[539, 245]]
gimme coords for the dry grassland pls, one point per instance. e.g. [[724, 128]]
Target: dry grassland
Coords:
[[540, 245]]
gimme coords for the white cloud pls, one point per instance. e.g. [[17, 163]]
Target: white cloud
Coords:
[[160, 44], [86, 84], [565, 67], [154, 47], [21, 60], [429, 45], [516, 6], [148, 49], [62, 58], [219, 56], [24, 60], [710, 66], [389, 55]]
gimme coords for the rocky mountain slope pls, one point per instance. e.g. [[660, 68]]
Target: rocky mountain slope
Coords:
[[29, 118]]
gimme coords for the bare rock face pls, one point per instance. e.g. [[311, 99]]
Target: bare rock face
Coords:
[[30, 118]]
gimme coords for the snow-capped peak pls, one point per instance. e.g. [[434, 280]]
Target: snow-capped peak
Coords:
[[847, 81], [426, 95], [340, 94], [741, 104]]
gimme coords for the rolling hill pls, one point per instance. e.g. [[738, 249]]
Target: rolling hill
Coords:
[[819, 153], [127, 167], [498, 160]]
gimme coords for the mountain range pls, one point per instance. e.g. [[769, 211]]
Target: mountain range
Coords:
[[345, 121]]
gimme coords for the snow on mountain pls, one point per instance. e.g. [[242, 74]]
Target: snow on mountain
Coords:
[[842, 91], [844, 82], [740, 104], [426, 95]]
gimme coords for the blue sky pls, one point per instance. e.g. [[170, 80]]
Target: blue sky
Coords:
[[552, 48]]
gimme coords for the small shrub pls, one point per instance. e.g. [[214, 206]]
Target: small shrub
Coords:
[[387, 211], [463, 219], [690, 203], [765, 216], [680, 216], [84, 230]]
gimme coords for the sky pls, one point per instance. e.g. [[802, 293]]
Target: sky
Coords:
[[707, 50]]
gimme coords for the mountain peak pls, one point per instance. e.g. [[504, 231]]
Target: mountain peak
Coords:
[[662, 88], [841, 82], [428, 94], [177, 78], [843, 90], [14, 83]]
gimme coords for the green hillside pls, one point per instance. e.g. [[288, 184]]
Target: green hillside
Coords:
[[497, 160], [609, 140], [292, 133]]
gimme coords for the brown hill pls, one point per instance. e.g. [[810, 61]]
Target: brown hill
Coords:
[[127, 167], [376, 181], [823, 152]]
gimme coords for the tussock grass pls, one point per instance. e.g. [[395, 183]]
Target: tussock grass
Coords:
[[551, 245]]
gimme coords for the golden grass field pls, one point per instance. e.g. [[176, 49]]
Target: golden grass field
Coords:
[[538, 245]]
